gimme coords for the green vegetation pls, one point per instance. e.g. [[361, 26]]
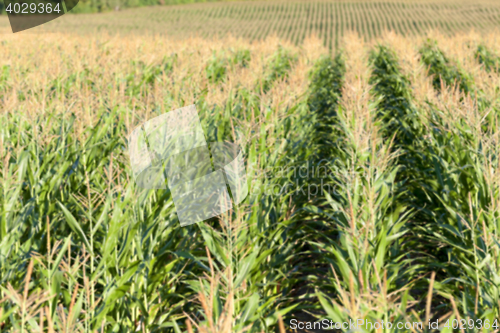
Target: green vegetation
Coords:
[[397, 218], [442, 70], [325, 93], [277, 68], [216, 69], [95, 253], [486, 57]]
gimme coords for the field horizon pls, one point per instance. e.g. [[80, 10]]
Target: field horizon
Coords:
[[291, 20]]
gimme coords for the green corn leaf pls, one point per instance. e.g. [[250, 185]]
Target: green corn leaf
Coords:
[[74, 225]]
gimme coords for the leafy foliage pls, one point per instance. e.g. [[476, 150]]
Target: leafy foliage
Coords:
[[443, 70], [487, 58], [216, 69], [408, 233], [277, 68]]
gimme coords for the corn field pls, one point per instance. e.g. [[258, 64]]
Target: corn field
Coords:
[[403, 133], [291, 20]]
